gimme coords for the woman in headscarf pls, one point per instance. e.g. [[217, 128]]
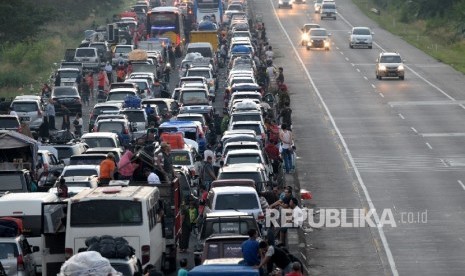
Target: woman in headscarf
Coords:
[[126, 166]]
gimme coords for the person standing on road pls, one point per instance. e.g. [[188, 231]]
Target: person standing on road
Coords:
[[250, 250], [275, 255], [208, 173], [185, 229], [286, 115], [66, 124], [109, 72], [84, 89], [102, 80], [77, 123], [90, 82], [50, 112], [126, 166], [286, 145], [107, 170]]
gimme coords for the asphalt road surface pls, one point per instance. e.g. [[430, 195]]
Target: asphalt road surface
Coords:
[[396, 146]]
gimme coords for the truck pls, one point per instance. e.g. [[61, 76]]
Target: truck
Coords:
[[205, 36]]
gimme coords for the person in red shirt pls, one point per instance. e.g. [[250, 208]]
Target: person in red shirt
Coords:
[[202, 202], [107, 169], [102, 79], [296, 270], [90, 82], [272, 151]]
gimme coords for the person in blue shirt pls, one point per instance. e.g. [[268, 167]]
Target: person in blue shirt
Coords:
[[250, 249]]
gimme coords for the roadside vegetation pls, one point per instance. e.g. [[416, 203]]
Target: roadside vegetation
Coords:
[[35, 34], [435, 27]]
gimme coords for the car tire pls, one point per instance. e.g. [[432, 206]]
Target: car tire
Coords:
[[351, 46], [370, 47], [326, 49], [308, 47], [402, 77]]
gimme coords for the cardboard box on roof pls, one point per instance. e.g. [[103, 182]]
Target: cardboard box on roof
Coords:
[[137, 55]]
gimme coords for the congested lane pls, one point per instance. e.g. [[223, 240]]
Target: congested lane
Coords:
[[406, 148]]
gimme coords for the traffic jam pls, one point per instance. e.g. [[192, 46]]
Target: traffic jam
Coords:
[[159, 147]]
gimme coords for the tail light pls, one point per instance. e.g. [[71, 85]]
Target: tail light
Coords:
[[20, 130], [145, 253], [20, 263], [46, 167], [260, 217], [68, 253]]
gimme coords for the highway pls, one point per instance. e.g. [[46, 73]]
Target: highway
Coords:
[[369, 144]]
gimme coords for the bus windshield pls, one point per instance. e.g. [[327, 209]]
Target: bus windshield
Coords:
[[163, 20], [106, 213]]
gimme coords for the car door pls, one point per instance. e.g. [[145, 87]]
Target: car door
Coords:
[[29, 265]]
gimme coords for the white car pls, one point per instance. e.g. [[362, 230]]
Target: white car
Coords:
[[80, 170], [361, 36]]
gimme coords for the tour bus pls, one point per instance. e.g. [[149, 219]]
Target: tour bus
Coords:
[[119, 211], [167, 22], [26, 206], [211, 10]]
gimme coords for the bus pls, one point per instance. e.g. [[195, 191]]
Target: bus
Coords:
[[167, 22], [131, 212], [211, 10]]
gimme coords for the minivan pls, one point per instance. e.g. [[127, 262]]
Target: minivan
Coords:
[[29, 110], [328, 10], [89, 57]]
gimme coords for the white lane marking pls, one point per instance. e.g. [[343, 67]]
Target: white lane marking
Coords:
[[401, 116], [455, 134], [353, 65], [408, 67], [341, 53], [387, 249], [358, 70], [424, 103], [461, 184], [347, 58], [443, 162], [365, 77], [414, 130], [372, 85], [429, 146], [381, 94]]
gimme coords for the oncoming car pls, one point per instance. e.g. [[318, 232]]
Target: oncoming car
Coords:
[[319, 38], [305, 32], [361, 36], [389, 65]]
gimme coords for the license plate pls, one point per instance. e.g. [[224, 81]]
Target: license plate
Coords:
[[392, 74], [25, 119]]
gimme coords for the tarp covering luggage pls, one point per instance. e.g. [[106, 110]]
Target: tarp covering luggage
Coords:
[[110, 247]]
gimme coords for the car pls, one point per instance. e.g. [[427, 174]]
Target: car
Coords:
[[207, 73], [68, 97], [16, 256], [194, 96], [144, 87], [29, 109], [248, 156], [121, 53], [101, 139], [319, 38], [236, 145], [117, 152], [361, 36], [168, 107], [119, 94], [65, 151], [47, 161], [121, 127], [256, 172], [390, 64], [76, 184], [305, 35], [328, 10], [109, 115], [193, 117], [87, 159], [114, 85], [317, 5], [184, 157], [102, 108], [89, 58], [80, 170], [241, 34], [69, 76], [285, 3], [103, 50], [10, 122], [139, 120]]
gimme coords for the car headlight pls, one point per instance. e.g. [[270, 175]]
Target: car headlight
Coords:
[[382, 68], [280, 2], [304, 36], [326, 43], [400, 68]]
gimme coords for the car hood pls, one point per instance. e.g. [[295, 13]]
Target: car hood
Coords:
[[357, 36], [319, 37]]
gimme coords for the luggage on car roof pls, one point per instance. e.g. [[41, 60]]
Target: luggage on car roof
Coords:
[[175, 140]]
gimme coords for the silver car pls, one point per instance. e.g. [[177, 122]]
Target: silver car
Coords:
[[16, 256], [361, 37], [29, 110]]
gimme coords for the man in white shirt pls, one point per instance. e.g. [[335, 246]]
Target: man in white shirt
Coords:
[[152, 178], [297, 214]]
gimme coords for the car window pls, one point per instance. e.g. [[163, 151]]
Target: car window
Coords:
[[255, 176], [362, 32], [68, 74], [79, 172], [239, 159], [236, 201], [123, 50], [11, 182], [199, 73], [318, 32], [119, 96], [246, 117], [135, 116], [193, 97], [205, 52], [254, 127], [390, 59], [8, 250], [100, 142], [110, 127], [65, 152], [25, 107], [9, 122], [65, 92], [85, 53]]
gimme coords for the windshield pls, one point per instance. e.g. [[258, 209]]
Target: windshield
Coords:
[[193, 97], [254, 127], [135, 116], [308, 27], [99, 142], [11, 182], [99, 110], [89, 52], [239, 159], [25, 107], [123, 50], [362, 32], [79, 172], [86, 160], [78, 184], [65, 92], [318, 32], [116, 127], [255, 176], [246, 117], [205, 51], [106, 213], [119, 96], [180, 158], [68, 74], [236, 201], [390, 59], [191, 119], [8, 250], [226, 225], [199, 73], [64, 152]]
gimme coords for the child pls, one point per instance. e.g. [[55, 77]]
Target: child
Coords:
[[183, 270]]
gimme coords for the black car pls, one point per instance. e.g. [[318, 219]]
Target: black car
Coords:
[[67, 97]]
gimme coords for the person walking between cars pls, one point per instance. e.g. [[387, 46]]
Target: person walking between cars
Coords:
[[286, 145], [90, 82], [102, 80], [107, 170], [286, 115], [126, 166], [50, 112], [250, 249], [208, 173], [77, 123], [84, 90], [163, 161], [275, 255], [185, 229], [66, 124], [109, 72]]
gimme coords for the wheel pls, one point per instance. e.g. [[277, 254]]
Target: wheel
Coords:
[[402, 77], [308, 47], [326, 49], [370, 47], [351, 46], [279, 6]]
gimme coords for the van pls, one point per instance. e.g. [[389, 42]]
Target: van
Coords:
[[205, 49], [27, 207], [238, 198], [89, 57], [328, 10]]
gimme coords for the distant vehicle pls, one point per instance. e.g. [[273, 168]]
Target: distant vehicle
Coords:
[[121, 53], [68, 76], [390, 65], [319, 38], [305, 32], [101, 139], [361, 37], [89, 58], [68, 97], [16, 256], [328, 10]]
